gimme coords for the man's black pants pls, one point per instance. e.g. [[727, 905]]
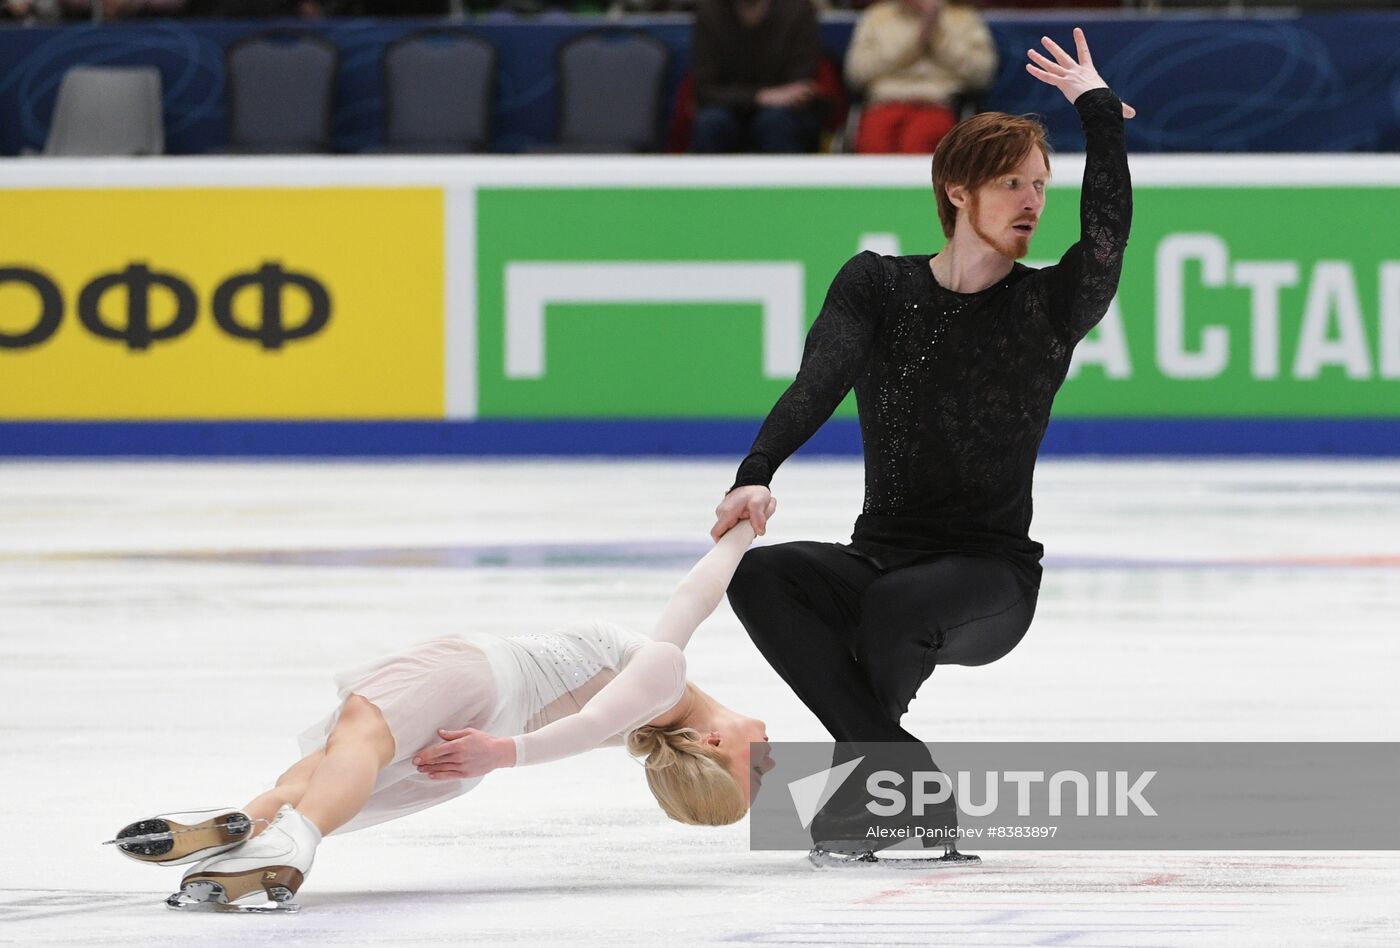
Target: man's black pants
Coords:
[[855, 642]]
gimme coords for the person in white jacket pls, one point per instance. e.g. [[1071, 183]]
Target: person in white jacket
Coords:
[[911, 59], [420, 727]]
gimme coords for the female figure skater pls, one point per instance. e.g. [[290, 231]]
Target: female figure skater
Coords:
[[421, 727]]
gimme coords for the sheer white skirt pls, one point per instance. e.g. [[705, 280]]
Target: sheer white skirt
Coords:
[[447, 683]]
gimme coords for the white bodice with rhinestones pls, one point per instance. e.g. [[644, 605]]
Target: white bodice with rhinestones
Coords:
[[555, 693], [565, 667]]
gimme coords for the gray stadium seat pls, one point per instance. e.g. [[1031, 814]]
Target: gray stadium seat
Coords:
[[438, 88], [611, 87], [108, 110], [280, 91]]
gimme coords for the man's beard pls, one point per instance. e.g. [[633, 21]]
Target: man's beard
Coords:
[[1014, 246]]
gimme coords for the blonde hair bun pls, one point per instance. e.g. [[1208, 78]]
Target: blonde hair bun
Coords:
[[688, 776]]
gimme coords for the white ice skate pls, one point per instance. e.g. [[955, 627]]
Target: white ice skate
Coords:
[[261, 876], [173, 839]]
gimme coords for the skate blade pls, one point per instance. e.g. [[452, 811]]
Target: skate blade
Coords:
[[266, 908], [210, 897], [825, 859], [952, 860], [166, 842]]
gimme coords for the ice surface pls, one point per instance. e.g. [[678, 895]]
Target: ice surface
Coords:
[[166, 628]]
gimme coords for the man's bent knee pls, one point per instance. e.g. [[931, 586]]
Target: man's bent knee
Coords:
[[754, 572]]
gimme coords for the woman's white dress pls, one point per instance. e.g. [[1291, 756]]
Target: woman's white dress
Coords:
[[557, 693]]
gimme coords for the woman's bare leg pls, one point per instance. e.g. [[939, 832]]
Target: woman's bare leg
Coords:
[[331, 786], [289, 789]]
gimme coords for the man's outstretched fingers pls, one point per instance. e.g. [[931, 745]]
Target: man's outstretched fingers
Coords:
[[1062, 57], [1082, 46], [1055, 69]]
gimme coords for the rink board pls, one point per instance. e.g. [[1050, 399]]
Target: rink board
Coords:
[[645, 305]]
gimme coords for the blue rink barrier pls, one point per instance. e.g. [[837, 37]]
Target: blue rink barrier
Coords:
[[650, 438], [1265, 83]]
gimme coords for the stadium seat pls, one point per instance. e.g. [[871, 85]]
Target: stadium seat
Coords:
[[611, 86], [280, 91], [108, 110], [438, 88]]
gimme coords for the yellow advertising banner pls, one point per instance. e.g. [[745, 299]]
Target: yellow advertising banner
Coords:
[[221, 303]]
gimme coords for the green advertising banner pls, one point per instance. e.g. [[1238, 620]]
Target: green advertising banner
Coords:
[[659, 304], [692, 302]]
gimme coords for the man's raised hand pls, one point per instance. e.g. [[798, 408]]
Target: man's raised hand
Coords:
[[1070, 77]]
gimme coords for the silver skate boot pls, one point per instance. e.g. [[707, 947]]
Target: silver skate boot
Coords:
[[173, 839], [263, 875]]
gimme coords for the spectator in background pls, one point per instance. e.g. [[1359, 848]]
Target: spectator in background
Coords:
[[51, 10], [755, 69], [397, 8], [47, 10], [30, 10], [912, 58], [257, 8]]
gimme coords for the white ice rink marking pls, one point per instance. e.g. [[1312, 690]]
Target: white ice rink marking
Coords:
[[1213, 601]]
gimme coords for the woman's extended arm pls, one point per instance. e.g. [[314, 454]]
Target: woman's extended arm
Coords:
[[703, 587], [654, 679], [652, 682]]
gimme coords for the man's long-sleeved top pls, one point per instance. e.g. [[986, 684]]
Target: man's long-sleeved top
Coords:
[[731, 61], [954, 389]]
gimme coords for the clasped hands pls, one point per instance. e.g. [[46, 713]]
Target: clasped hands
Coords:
[[787, 96]]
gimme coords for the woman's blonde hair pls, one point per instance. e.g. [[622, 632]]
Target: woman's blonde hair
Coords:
[[687, 776]]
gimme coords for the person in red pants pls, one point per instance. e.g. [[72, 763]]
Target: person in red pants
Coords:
[[912, 58]]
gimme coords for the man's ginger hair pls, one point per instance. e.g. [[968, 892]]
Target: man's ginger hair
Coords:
[[982, 148]]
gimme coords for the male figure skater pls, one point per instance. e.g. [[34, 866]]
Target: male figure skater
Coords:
[[955, 359]]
